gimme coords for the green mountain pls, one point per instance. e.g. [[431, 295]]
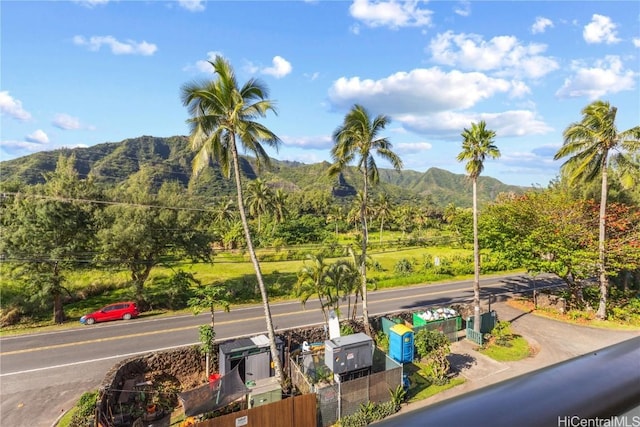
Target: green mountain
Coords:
[[171, 159]]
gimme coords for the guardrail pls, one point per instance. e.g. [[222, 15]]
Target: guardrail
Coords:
[[590, 390]]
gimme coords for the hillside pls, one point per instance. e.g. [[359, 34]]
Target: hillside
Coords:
[[171, 159]]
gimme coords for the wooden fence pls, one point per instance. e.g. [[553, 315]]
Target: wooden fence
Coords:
[[291, 412]]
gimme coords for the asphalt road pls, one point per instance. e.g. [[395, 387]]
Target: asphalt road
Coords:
[[43, 374]]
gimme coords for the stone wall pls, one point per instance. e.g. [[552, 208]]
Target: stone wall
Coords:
[[183, 365]]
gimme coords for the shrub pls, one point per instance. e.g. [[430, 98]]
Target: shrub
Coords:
[[382, 341], [84, 409], [404, 266]]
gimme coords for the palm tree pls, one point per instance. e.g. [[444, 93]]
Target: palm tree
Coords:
[[477, 145], [592, 143], [222, 114], [259, 199], [383, 209], [312, 280], [280, 209], [357, 139]]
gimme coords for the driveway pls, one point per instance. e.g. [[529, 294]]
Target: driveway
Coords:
[[553, 341]]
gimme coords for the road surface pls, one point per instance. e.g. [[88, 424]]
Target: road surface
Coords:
[[43, 374]]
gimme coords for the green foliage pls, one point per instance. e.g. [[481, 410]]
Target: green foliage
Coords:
[[302, 230], [369, 413], [207, 336], [382, 341], [435, 347], [398, 395], [404, 267], [346, 329], [502, 333], [84, 410]]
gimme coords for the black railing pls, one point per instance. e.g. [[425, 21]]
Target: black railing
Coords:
[[590, 390]]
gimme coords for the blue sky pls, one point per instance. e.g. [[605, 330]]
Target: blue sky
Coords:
[[79, 73]]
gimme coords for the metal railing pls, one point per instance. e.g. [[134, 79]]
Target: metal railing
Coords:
[[593, 389]]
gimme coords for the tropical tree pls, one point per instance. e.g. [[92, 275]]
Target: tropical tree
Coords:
[[342, 278], [47, 233], [357, 139], [142, 231], [280, 207], [224, 114], [313, 280], [477, 145], [383, 209], [207, 298], [259, 199], [591, 145]]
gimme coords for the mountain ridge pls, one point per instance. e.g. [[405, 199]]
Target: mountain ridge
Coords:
[[170, 158]]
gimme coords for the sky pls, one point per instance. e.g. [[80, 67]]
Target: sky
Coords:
[[80, 73]]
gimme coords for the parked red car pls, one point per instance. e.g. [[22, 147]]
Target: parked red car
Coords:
[[119, 310]]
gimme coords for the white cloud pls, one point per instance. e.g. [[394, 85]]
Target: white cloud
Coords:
[[308, 142], [91, 3], [312, 76], [606, 76], [449, 124], [503, 55], [12, 107], [129, 47], [463, 9], [192, 5], [600, 30], [636, 42], [203, 65], [66, 122], [412, 147], [541, 25], [418, 91], [391, 13], [281, 67], [38, 137]]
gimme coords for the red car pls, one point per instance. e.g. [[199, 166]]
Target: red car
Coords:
[[119, 310]]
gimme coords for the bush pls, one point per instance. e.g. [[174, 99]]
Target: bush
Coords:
[[369, 413], [404, 266], [85, 409]]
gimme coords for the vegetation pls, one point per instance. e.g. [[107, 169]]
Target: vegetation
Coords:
[[358, 139], [477, 145], [504, 346], [432, 348], [590, 143], [223, 114]]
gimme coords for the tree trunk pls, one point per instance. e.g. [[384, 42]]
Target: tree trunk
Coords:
[[256, 265], [604, 280], [363, 261], [58, 310], [476, 262]]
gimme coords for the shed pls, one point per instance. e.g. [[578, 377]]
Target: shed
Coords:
[[252, 356]]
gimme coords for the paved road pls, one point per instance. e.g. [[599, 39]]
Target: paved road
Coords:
[[42, 375]]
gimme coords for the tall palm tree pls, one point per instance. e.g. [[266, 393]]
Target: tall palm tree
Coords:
[[592, 143], [222, 115], [358, 139], [477, 145]]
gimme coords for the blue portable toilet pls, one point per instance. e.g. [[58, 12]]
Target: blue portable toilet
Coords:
[[401, 343]]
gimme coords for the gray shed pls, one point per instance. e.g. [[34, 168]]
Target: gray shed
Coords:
[[252, 356]]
